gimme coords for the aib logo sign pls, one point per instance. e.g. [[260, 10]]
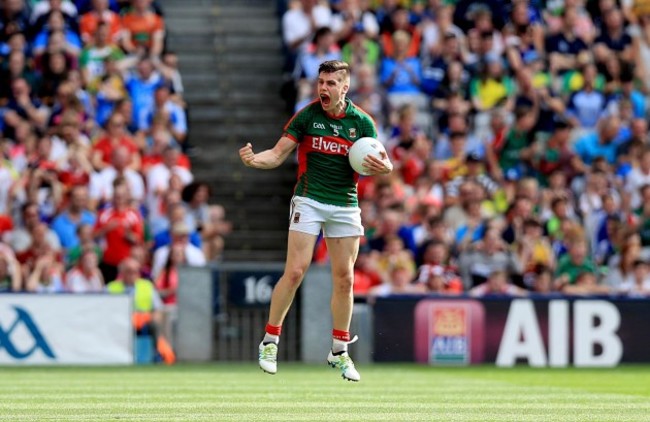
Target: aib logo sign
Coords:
[[23, 319]]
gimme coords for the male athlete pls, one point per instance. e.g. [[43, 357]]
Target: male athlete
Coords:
[[325, 198]]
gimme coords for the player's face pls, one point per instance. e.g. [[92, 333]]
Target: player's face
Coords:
[[332, 88]]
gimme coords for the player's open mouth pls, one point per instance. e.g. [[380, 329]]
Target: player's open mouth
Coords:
[[325, 100]]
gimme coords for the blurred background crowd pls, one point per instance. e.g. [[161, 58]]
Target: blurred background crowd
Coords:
[[95, 180], [519, 134]]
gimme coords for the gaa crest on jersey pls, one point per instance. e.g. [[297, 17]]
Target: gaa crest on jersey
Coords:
[[353, 132]]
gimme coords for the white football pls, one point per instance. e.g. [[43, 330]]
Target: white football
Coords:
[[363, 147]]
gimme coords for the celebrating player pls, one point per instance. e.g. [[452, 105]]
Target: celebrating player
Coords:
[[325, 198]]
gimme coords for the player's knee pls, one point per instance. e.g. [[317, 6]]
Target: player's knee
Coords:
[[343, 281], [294, 276]]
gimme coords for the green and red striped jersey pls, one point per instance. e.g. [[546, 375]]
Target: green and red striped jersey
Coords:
[[324, 172]]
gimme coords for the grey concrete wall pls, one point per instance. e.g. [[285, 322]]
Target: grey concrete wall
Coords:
[[194, 334], [316, 320]]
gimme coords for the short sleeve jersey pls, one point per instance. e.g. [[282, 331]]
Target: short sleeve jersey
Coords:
[[324, 172]]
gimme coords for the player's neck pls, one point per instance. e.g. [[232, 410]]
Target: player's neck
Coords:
[[339, 110]]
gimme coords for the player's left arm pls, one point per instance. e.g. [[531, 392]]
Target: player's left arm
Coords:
[[373, 164]]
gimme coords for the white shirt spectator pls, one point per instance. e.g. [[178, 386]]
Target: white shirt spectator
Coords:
[[101, 184], [42, 8], [6, 181], [20, 239], [296, 24], [367, 20], [77, 282], [59, 152], [193, 256], [635, 181], [158, 181]]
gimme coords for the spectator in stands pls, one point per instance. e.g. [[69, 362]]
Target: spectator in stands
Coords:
[[180, 236], [10, 274], [121, 227], [395, 254], [437, 281], [167, 281], [574, 263], [365, 274], [639, 283], [534, 249], [637, 178], [161, 138], [490, 254], [85, 276], [476, 173], [620, 267], [565, 47], [401, 74], [587, 105], [209, 220], [14, 19], [147, 315], [46, 276], [352, 17], [141, 86], [68, 222], [497, 284], [43, 10], [17, 67], [613, 39], [144, 30], [159, 175], [85, 234], [22, 107], [409, 39], [361, 50], [20, 238], [100, 15], [95, 55], [586, 283], [56, 24], [169, 69], [473, 229], [175, 214], [115, 136], [558, 156], [398, 283], [641, 49], [102, 183], [300, 22], [171, 115]]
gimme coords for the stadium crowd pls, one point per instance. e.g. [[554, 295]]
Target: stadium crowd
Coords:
[[519, 131], [95, 183]]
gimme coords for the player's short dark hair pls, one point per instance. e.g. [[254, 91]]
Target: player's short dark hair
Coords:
[[332, 66]]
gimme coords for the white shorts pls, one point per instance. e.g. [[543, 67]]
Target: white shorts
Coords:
[[309, 216]]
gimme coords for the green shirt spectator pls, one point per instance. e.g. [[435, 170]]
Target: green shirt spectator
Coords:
[[574, 263]]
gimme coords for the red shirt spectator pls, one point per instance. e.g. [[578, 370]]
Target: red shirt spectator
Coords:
[[121, 226], [149, 161], [115, 136]]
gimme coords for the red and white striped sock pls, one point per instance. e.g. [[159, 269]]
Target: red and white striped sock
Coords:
[[272, 334], [340, 340]]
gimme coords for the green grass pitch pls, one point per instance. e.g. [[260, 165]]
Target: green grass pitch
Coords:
[[241, 392]]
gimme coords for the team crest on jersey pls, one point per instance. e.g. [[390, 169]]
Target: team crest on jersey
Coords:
[[353, 132]]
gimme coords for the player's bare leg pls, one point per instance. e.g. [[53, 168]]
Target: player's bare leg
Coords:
[[343, 253], [300, 247]]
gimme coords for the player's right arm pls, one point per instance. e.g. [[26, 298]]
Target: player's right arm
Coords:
[[270, 158]]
